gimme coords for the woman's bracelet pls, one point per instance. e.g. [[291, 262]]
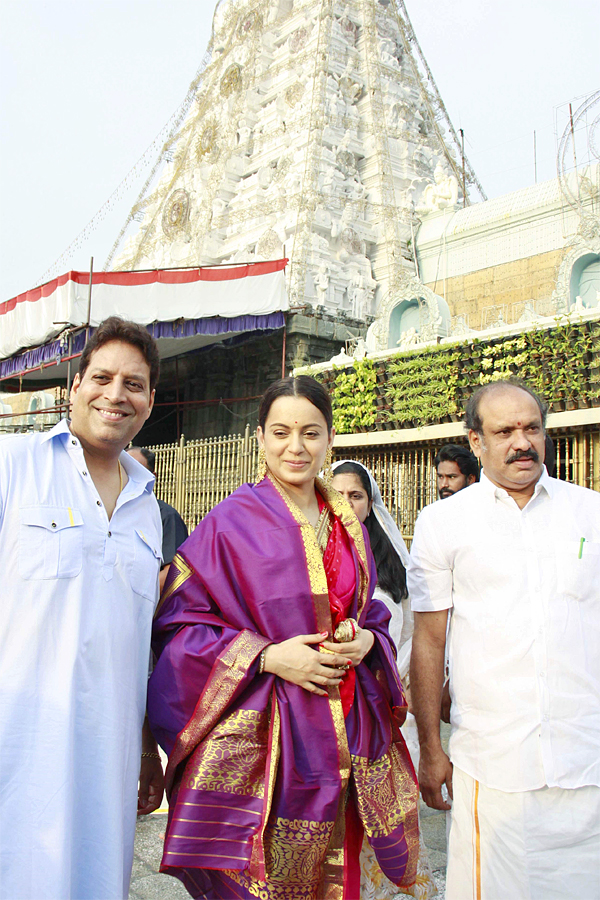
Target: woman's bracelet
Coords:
[[261, 661], [148, 755]]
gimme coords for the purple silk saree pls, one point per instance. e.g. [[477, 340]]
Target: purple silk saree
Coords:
[[260, 771]]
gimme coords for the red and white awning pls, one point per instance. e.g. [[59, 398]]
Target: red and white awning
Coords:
[[163, 295]]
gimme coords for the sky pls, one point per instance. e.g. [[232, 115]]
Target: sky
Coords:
[[87, 85]]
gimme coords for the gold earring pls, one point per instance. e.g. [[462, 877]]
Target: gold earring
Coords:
[[327, 470], [261, 471]]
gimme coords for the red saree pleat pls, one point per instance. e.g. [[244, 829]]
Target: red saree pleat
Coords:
[[341, 581]]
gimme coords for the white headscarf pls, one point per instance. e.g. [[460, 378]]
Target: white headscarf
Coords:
[[401, 623], [381, 513]]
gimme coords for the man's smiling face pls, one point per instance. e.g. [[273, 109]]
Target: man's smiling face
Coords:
[[112, 400]]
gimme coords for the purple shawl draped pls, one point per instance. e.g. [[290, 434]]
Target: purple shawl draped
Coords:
[[260, 769]]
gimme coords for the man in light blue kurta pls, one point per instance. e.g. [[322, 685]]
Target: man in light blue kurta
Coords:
[[80, 539]]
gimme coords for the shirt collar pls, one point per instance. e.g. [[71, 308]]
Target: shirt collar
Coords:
[[544, 483], [58, 431], [135, 470]]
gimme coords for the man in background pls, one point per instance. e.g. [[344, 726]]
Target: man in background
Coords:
[[456, 469], [174, 528], [79, 554]]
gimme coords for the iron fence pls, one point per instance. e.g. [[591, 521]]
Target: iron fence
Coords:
[[195, 476]]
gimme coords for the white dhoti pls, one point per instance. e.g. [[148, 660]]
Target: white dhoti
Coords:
[[534, 845]]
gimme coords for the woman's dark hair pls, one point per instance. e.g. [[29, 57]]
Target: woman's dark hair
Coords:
[[391, 574], [301, 386]]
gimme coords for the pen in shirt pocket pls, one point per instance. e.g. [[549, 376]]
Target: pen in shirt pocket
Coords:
[[581, 543]]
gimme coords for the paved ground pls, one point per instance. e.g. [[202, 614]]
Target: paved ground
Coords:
[[433, 829], [148, 884], [146, 881]]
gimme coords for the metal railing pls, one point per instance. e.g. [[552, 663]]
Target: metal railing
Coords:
[[195, 476]]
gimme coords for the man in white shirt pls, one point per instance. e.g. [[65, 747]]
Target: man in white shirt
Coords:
[[517, 560], [80, 539]]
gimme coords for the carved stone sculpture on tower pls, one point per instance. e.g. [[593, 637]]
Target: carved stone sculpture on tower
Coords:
[[440, 195]]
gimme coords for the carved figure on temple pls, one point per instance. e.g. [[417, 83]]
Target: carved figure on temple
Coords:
[[360, 293], [354, 188], [342, 358], [264, 176], [529, 314], [350, 86], [387, 48], [218, 208], [322, 283], [408, 339], [440, 195], [360, 351], [335, 104]]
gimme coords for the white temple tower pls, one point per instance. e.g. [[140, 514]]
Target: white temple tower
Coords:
[[315, 131]]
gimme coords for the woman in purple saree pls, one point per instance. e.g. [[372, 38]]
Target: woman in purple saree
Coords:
[[283, 739]]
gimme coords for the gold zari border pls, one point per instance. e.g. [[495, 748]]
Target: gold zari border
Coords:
[[184, 571], [257, 856], [232, 758], [294, 849], [230, 668], [386, 794]]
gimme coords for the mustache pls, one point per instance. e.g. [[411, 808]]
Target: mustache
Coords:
[[446, 492], [524, 454]]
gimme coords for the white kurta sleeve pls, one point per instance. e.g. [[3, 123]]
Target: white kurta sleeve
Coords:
[[429, 574]]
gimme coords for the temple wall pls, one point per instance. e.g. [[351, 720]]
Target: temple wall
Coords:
[[516, 282]]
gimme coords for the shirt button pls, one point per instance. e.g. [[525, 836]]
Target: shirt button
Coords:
[[54, 524], [110, 533], [98, 503], [74, 443], [542, 674], [84, 472]]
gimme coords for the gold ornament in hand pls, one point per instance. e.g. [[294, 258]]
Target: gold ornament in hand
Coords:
[[346, 631]]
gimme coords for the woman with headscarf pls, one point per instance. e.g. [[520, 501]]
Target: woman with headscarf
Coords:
[[356, 484], [275, 690]]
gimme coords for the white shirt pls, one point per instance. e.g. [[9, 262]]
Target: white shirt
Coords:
[[400, 627], [524, 641], [78, 595]]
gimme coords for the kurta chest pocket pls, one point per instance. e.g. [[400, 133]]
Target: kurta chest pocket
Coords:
[[578, 569], [146, 565], [50, 542]]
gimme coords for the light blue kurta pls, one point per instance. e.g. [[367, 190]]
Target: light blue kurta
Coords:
[[78, 596]]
